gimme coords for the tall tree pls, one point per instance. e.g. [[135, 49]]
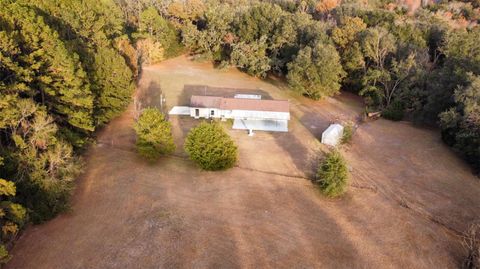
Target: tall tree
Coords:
[[38, 59], [316, 72]]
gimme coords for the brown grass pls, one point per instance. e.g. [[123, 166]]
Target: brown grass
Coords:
[[409, 194]]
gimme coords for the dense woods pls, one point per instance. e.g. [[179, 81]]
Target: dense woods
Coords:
[[64, 72], [422, 66], [67, 67]]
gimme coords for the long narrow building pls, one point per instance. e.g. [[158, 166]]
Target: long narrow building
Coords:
[[249, 112]]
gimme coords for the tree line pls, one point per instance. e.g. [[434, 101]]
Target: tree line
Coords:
[[66, 69]]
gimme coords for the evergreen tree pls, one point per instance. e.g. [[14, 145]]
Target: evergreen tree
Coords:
[[154, 134], [113, 85], [332, 175], [42, 62], [211, 147]]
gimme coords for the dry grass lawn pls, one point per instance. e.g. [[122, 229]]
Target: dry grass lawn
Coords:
[[409, 195]]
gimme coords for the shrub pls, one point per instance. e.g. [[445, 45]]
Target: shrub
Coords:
[[211, 147], [154, 134], [347, 133], [332, 175], [471, 242], [394, 111]]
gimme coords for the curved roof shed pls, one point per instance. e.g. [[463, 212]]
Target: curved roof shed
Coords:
[[333, 135]]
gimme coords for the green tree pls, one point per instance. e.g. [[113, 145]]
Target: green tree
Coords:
[[211, 147], [12, 216], [211, 40], [316, 72], [383, 83], [461, 123], [113, 85], [460, 54], [45, 166], [345, 34], [154, 134], [346, 37], [251, 57], [88, 28], [332, 175], [260, 20], [37, 58], [153, 25]]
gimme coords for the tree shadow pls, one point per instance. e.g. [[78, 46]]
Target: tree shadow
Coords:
[[151, 96], [191, 89]]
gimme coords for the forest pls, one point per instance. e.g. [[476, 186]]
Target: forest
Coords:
[[67, 67]]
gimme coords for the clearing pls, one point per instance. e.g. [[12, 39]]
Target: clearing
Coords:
[[409, 195]]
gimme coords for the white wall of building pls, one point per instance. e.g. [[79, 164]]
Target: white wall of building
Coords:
[[238, 114]]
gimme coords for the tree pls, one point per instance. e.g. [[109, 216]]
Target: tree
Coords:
[[38, 59], [45, 164], [153, 26], [12, 216], [347, 32], [211, 147], [154, 134], [88, 28], [149, 51], [316, 72], [251, 57], [383, 83], [126, 49], [325, 6], [210, 40], [259, 20], [461, 123], [387, 71], [332, 175], [459, 55], [347, 38], [377, 44], [112, 85], [152, 23]]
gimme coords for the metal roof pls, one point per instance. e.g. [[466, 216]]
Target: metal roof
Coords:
[[239, 104]]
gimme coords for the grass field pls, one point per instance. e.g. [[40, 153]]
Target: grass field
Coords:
[[408, 199]]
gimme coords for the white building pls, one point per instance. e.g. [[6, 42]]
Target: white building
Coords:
[[249, 112], [333, 135]]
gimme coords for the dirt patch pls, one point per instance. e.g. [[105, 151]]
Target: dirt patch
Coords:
[[408, 195]]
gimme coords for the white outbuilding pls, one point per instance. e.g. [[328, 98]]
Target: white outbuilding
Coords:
[[333, 135]]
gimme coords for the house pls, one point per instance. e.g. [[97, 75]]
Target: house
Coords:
[[248, 111]]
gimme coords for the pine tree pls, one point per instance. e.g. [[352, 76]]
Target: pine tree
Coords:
[[211, 147], [43, 63], [112, 84]]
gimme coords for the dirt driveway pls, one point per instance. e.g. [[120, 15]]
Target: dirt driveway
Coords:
[[409, 195]]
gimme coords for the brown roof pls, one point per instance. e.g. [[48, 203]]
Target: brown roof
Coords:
[[239, 104], [205, 101]]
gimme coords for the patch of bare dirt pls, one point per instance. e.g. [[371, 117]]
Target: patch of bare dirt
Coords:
[[409, 195]]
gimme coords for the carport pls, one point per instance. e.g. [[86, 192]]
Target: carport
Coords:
[[261, 125]]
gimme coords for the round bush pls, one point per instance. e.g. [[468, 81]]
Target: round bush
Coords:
[[332, 175], [211, 147], [154, 135]]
